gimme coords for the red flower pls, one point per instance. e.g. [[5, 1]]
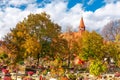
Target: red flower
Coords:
[[7, 78], [30, 73], [78, 61], [117, 74], [5, 71]]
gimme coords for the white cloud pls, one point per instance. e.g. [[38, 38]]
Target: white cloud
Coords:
[[63, 17], [20, 2], [59, 14]]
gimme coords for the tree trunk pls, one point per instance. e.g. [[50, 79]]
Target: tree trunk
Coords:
[[38, 57]]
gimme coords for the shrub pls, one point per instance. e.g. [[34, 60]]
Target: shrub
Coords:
[[97, 67]]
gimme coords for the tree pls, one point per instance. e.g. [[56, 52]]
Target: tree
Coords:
[[111, 34], [117, 41], [92, 44], [13, 42], [44, 30], [92, 48], [111, 51], [117, 38], [60, 47], [117, 46], [33, 36], [111, 30]]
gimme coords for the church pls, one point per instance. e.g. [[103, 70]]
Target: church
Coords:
[[74, 36]]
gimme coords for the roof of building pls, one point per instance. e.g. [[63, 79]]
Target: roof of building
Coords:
[[82, 25]]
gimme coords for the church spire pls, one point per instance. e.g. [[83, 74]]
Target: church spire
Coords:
[[82, 25]]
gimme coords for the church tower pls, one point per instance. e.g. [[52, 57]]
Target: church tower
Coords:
[[81, 26]]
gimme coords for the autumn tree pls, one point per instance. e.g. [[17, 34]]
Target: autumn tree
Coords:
[[111, 34], [14, 40], [69, 37], [117, 45], [60, 48], [111, 51], [117, 40], [89, 48], [92, 44], [33, 36], [111, 30]]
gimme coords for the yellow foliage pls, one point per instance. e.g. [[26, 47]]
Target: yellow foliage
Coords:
[[31, 45], [19, 34]]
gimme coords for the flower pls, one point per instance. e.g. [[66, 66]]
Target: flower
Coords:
[[78, 61], [117, 74], [5, 71], [7, 78], [30, 73]]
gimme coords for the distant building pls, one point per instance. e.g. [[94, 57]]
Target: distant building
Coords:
[[74, 36]]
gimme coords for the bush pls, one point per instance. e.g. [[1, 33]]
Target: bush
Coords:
[[97, 67], [72, 76]]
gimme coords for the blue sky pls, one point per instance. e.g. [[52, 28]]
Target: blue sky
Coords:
[[96, 13], [88, 5]]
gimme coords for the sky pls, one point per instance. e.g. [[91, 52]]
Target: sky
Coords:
[[66, 13]]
